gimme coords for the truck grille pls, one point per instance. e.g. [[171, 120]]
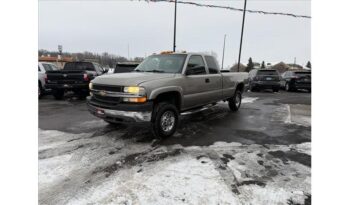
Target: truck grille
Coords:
[[107, 88]]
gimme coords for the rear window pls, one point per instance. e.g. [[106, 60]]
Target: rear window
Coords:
[[267, 72], [79, 66], [303, 73], [124, 68]]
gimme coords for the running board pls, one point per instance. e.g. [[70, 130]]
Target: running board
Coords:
[[197, 110]]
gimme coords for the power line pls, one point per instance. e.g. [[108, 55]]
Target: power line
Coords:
[[233, 8]]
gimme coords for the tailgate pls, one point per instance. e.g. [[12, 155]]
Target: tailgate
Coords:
[[67, 77]]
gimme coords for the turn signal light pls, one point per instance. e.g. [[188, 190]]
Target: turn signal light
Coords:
[[135, 100]]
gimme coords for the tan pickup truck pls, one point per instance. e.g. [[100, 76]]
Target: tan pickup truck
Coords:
[[161, 88]]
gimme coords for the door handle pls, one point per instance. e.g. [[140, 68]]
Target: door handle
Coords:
[[207, 80]]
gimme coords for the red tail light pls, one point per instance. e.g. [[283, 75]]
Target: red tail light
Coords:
[[86, 77], [46, 81]]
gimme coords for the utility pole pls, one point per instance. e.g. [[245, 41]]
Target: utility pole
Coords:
[[128, 52], [174, 46], [223, 54], [240, 46]]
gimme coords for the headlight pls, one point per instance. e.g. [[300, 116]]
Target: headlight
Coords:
[[135, 90], [90, 86]]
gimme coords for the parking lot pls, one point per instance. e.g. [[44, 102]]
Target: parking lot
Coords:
[[258, 155]]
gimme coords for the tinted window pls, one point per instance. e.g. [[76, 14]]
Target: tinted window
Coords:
[[267, 72], [124, 68], [79, 66], [303, 73], [196, 65], [213, 65]]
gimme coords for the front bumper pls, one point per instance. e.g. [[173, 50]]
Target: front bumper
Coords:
[[127, 113]]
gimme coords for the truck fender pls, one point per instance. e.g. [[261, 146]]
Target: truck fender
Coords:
[[153, 95]]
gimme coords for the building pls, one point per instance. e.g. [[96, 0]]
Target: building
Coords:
[[58, 61]]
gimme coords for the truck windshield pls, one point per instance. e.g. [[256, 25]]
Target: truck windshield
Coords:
[[172, 63]]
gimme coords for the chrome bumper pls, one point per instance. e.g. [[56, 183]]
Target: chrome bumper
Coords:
[[119, 115]]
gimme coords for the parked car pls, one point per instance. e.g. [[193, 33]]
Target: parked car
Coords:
[[294, 80], [163, 86], [125, 67], [260, 79], [75, 76], [42, 68]]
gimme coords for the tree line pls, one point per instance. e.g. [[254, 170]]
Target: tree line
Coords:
[[105, 59]]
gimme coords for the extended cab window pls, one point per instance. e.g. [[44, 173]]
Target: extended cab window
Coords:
[[212, 64], [195, 66], [47, 67]]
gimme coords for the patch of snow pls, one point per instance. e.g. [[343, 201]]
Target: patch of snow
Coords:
[[249, 99]]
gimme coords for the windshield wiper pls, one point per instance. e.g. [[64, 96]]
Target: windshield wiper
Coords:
[[155, 71]]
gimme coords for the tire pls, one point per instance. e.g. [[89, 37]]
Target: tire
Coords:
[[235, 102], [40, 90], [165, 119], [275, 90], [81, 94], [58, 94], [288, 88]]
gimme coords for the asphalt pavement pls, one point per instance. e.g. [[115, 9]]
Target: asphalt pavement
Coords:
[[258, 155]]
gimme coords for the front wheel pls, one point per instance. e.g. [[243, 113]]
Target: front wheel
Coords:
[[235, 102], [164, 120]]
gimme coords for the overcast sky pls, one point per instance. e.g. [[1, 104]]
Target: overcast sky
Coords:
[[109, 26]]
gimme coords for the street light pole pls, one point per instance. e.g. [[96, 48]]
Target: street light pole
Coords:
[[174, 48], [223, 54], [240, 46]]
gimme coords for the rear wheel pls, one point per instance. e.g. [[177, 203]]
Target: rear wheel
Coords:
[[164, 120], [40, 91], [235, 102], [275, 90], [58, 94], [288, 88]]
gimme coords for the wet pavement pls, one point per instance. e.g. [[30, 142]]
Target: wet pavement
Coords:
[[262, 148]]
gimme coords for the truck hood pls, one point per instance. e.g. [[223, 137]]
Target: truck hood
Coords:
[[129, 79]]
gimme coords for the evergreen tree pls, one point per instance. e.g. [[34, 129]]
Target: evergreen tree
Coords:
[[250, 65], [263, 65], [308, 65]]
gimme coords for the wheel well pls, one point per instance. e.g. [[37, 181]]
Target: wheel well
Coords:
[[240, 87], [173, 97]]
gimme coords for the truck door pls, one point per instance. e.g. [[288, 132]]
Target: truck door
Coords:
[[195, 83], [214, 91]]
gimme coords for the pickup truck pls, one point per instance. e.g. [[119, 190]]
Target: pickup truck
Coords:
[[43, 67], [75, 76], [161, 88]]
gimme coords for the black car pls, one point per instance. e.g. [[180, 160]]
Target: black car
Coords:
[[260, 79], [125, 67], [75, 76], [294, 80]]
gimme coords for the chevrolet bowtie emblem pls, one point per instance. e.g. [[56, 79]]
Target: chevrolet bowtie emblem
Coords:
[[102, 93]]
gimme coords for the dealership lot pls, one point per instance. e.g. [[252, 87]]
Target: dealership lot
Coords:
[[258, 155]]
